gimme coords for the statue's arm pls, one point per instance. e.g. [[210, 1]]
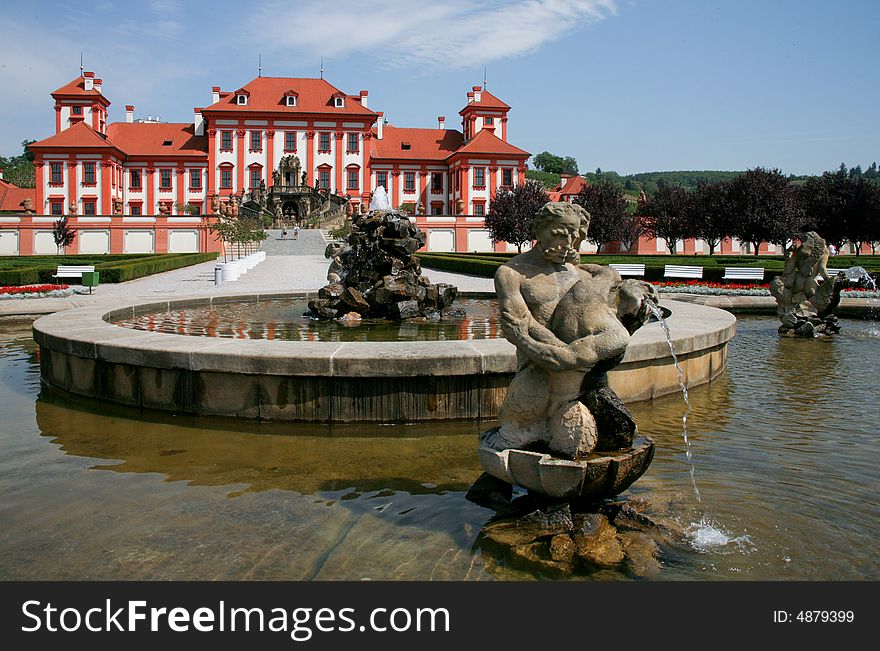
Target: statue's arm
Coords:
[[517, 321], [581, 354]]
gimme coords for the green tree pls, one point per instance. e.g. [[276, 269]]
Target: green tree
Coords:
[[511, 213], [608, 211], [667, 214], [763, 206], [709, 218], [547, 162], [63, 234]]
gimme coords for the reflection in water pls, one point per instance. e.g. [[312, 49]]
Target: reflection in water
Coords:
[[787, 472], [289, 319]]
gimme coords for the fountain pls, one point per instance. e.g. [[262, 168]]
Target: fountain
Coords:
[[376, 274], [565, 435], [805, 307]]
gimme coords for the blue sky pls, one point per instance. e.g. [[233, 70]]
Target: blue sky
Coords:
[[626, 85]]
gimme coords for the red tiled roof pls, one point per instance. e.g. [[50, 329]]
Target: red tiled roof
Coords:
[[11, 196], [80, 135], [267, 94], [555, 195], [76, 87], [148, 138], [488, 143], [487, 100], [573, 185], [425, 144]]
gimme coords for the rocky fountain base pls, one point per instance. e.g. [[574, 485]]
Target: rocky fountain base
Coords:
[[375, 274]]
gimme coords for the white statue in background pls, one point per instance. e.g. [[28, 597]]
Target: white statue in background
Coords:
[[380, 200]]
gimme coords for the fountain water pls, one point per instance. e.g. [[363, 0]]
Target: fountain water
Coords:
[[658, 314]]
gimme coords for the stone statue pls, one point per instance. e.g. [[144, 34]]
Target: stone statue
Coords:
[[304, 180], [803, 305], [117, 206], [27, 205], [565, 319], [71, 209], [215, 204], [276, 178]]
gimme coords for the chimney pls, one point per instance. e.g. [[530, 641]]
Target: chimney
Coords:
[[379, 124], [1, 173], [98, 84], [470, 96], [562, 179], [198, 122], [89, 80], [478, 93], [441, 122], [215, 94], [129, 113], [364, 95]]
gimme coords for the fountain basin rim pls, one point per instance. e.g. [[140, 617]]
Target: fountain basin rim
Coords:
[[86, 332]]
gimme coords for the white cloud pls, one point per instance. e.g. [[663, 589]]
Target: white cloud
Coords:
[[456, 33]]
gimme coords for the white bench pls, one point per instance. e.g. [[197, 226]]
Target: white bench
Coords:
[[637, 270], [743, 273], [73, 271], [832, 273], [678, 271]]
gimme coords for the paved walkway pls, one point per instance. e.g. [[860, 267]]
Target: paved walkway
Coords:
[[290, 265]]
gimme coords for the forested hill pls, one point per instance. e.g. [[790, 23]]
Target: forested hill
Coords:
[[644, 180]]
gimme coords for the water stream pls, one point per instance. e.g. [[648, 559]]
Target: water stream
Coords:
[[658, 314]]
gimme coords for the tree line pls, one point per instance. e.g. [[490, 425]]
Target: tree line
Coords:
[[756, 206]]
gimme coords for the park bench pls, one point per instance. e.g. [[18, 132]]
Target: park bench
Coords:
[[634, 270], [744, 273], [85, 272], [679, 271]]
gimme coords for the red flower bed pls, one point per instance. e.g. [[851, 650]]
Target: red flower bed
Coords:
[[704, 283], [29, 289]]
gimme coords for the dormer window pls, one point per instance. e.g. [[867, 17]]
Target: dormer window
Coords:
[[339, 102], [291, 100], [241, 100], [166, 143], [290, 97], [405, 146]]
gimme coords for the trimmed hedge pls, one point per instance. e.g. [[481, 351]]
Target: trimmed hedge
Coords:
[[485, 264], [32, 270]]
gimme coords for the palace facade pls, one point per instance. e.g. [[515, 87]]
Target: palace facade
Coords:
[[148, 186]]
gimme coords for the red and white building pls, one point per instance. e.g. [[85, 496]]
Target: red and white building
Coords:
[[147, 186]]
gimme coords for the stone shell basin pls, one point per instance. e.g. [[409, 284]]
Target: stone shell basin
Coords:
[[82, 353], [600, 476]]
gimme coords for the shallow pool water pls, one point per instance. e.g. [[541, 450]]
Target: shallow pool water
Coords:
[[289, 320], [784, 448]]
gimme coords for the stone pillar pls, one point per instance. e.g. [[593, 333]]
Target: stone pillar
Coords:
[[240, 158], [464, 185], [270, 157], [423, 195], [106, 195], [162, 234], [493, 183], [181, 181], [367, 186], [340, 188], [395, 188], [212, 166], [310, 158], [39, 195], [150, 208], [72, 190]]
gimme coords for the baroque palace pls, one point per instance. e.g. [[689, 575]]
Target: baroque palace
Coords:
[[294, 149]]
